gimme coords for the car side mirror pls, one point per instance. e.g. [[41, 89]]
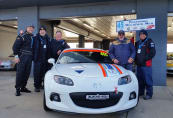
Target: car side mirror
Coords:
[[51, 61]]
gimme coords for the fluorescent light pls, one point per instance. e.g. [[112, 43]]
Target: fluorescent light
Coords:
[[97, 30], [103, 34], [88, 26], [15, 26], [77, 20]]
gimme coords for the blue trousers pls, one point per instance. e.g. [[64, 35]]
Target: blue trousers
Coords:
[[144, 75], [40, 68], [128, 66]]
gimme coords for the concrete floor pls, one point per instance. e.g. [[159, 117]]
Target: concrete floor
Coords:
[[30, 105]]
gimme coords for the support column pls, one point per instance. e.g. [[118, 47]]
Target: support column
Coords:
[[28, 16], [97, 44], [81, 41], [105, 44], [149, 9]]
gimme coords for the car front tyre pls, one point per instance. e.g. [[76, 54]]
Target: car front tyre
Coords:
[[44, 104]]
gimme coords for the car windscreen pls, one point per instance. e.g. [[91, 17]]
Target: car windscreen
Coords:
[[89, 56]]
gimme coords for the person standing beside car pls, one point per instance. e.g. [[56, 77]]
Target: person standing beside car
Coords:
[[22, 49], [145, 51], [58, 45], [41, 54], [21, 32], [122, 51]]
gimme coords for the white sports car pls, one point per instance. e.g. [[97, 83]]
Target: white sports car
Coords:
[[86, 81]]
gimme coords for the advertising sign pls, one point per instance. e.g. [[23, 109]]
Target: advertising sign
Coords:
[[135, 25]]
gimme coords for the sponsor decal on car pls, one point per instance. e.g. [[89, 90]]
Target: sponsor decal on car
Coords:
[[109, 68]]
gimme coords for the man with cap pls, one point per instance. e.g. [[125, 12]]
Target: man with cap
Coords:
[[145, 51], [58, 45], [122, 51], [23, 52], [41, 54]]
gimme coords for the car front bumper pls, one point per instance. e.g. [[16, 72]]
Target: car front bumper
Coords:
[[75, 102]]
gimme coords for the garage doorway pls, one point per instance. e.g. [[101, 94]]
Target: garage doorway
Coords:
[[93, 28], [8, 33], [170, 51]]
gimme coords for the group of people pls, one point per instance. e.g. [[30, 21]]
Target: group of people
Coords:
[[39, 49], [123, 52]]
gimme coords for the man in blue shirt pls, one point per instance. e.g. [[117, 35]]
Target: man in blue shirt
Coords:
[[122, 51]]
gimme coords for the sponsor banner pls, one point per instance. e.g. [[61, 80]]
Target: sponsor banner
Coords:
[[135, 25]]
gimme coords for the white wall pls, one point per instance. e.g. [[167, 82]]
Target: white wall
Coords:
[[7, 38]]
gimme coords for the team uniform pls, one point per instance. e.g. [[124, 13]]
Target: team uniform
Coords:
[[41, 51], [145, 51], [23, 49]]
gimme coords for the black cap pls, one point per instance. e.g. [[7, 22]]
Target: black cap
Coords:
[[121, 32], [31, 26], [42, 28], [143, 32]]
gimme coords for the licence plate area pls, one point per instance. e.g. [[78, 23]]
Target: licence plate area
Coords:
[[97, 97]]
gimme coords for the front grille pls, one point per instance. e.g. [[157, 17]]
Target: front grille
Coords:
[[79, 99]]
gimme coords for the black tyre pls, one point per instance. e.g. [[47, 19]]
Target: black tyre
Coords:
[[44, 104]]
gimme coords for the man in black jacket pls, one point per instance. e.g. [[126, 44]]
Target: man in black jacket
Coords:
[[23, 52], [145, 48], [58, 45], [41, 54]]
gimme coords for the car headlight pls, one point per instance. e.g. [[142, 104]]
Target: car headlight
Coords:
[[63, 80], [124, 80]]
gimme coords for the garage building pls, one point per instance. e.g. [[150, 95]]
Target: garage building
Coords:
[[88, 21]]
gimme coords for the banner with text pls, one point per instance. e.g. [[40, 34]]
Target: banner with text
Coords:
[[135, 25]]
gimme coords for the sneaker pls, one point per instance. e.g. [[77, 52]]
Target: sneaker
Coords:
[[25, 90], [147, 97], [37, 90], [18, 92]]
